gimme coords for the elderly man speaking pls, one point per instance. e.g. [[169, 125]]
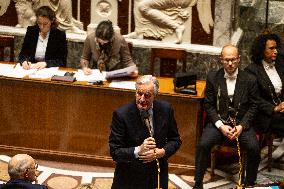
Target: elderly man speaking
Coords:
[[22, 170]]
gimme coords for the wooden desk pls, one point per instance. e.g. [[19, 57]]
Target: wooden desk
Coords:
[[71, 121]]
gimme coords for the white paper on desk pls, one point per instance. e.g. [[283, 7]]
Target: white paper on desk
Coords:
[[19, 72], [95, 76], [6, 68], [121, 72], [44, 73], [122, 84], [60, 73]]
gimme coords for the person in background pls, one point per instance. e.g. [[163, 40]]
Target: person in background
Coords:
[[230, 104], [142, 133], [106, 50], [44, 45], [22, 170], [268, 67]]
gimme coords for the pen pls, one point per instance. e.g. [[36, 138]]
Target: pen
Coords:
[[27, 60]]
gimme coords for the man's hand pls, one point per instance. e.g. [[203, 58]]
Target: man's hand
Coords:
[[152, 155], [279, 108], [227, 131], [148, 144], [237, 132], [147, 156]]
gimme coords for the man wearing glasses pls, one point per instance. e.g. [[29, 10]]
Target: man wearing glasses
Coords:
[[143, 136], [22, 170], [230, 105]]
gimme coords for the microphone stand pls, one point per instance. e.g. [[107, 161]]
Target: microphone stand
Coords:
[[147, 123], [234, 124]]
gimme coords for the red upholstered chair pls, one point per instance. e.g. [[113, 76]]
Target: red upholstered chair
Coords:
[[227, 147], [168, 61], [6, 42]]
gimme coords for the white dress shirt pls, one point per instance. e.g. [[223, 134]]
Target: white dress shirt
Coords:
[[273, 76], [231, 83], [41, 47]]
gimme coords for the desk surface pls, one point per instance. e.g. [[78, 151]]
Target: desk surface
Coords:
[[166, 84], [71, 121]]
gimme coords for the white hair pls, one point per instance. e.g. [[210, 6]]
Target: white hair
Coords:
[[145, 79]]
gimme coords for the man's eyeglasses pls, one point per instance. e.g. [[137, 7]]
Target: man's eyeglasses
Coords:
[[233, 60], [146, 95]]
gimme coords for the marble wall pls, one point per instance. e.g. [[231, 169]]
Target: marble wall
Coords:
[[197, 61], [252, 21]]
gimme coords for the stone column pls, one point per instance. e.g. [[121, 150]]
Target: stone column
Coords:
[[223, 27], [103, 10]]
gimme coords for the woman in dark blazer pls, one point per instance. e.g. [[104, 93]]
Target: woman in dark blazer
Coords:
[[44, 45], [268, 67]]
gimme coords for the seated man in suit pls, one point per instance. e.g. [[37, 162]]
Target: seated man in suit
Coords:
[[143, 136], [229, 96], [22, 170]]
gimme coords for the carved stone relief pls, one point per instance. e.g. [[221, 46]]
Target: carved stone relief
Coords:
[[25, 13], [161, 18], [103, 10], [3, 6], [62, 8]]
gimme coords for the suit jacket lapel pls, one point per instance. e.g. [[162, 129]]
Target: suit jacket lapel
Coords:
[[239, 88], [224, 98], [137, 123], [50, 41], [157, 118], [280, 70], [265, 76]]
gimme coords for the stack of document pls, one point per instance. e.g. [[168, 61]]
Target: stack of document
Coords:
[[122, 84], [17, 71], [95, 76], [10, 70]]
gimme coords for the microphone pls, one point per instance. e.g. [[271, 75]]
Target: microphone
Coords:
[[145, 116]]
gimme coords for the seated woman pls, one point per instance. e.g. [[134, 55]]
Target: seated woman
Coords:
[[108, 51], [268, 67], [44, 45]]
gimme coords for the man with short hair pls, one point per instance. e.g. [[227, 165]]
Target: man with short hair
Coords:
[[230, 104], [143, 136], [22, 170]]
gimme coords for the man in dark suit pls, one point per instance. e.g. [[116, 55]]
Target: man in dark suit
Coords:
[[143, 136], [230, 94], [268, 67], [22, 170]]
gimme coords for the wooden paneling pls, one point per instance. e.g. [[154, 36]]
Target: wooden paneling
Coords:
[[71, 122]]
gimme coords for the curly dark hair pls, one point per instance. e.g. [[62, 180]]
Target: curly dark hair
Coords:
[[105, 30], [259, 45]]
